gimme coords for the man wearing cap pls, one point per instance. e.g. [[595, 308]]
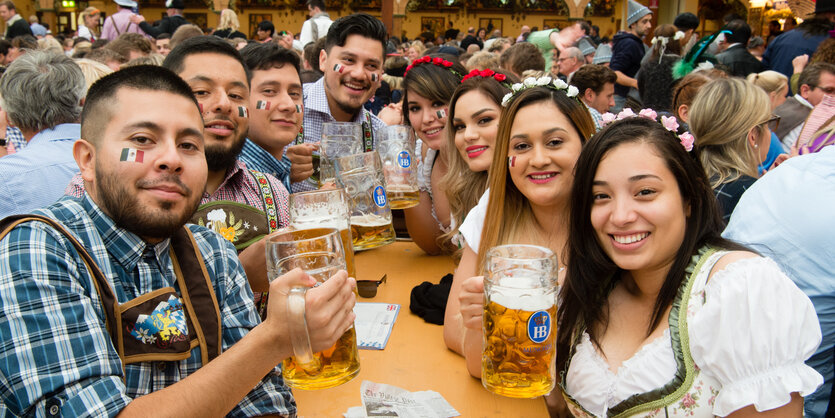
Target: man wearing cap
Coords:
[[119, 22], [587, 47], [628, 50], [173, 19], [15, 24], [352, 61]]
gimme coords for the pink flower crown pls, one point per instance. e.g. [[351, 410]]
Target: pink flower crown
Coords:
[[440, 62], [669, 122], [487, 73]]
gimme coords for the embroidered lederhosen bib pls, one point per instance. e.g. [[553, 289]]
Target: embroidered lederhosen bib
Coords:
[[690, 393], [241, 224], [159, 325]]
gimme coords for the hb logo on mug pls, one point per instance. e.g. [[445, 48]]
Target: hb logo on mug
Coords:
[[539, 326]]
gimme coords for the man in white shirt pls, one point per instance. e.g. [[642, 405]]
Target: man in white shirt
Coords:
[[317, 26], [815, 81]]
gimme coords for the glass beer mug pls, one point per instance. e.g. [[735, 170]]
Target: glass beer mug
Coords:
[[362, 177], [397, 150], [319, 253], [338, 140], [328, 208], [519, 321]]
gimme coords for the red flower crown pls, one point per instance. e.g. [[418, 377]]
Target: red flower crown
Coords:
[[440, 62], [487, 73]]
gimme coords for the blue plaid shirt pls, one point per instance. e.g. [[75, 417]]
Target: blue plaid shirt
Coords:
[[259, 159], [15, 137], [317, 112], [54, 347]]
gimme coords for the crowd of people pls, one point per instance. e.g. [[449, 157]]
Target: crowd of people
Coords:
[[671, 174]]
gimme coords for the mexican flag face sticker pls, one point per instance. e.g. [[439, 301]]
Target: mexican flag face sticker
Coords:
[[243, 112], [262, 105], [132, 155]]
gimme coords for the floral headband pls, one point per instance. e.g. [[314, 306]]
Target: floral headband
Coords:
[[545, 81], [669, 122], [488, 73], [440, 62]]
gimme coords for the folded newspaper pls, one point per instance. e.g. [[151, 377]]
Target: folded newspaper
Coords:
[[381, 400]]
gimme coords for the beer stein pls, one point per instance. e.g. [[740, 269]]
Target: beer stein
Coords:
[[397, 150], [519, 321], [362, 177], [319, 253], [338, 140]]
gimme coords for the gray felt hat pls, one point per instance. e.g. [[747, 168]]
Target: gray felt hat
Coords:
[[586, 45], [126, 3], [635, 11], [603, 54]]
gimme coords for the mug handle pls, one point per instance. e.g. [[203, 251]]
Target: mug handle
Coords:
[[298, 332]]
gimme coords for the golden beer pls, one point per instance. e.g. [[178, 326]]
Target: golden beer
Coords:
[[402, 196], [336, 365], [519, 342], [371, 231]]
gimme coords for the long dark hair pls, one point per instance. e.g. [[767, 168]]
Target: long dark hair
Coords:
[[591, 273], [433, 82]]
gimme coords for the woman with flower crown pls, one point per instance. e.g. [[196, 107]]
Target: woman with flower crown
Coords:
[[659, 315], [428, 85], [542, 129], [473, 120]]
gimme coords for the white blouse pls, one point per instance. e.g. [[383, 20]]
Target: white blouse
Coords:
[[751, 334], [473, 223]]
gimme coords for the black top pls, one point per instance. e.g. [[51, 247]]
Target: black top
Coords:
[[728, 194], [739, 61], [167, 24], [229, 34], [18, 28], [469, 40]]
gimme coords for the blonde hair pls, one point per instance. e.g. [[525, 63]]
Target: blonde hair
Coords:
[[418, 46], [50, 45], [770, 81], [228, 20], [483, 60], [82, 17], [92, 70], [721, 117]]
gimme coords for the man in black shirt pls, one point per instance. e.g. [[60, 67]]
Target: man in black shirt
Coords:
[[168, 24], [15, 24]]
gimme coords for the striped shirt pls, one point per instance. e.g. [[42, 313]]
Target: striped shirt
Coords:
[[56, 354], [317, 112]]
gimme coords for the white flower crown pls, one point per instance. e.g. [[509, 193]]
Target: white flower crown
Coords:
[[545, 81]]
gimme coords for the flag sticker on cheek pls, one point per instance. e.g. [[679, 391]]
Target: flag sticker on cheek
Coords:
[[132, 155], [298, 108], [511, 161], [243, 112], [338, 68], [441, 113], [262, 105], [200, 106], [374, 77]]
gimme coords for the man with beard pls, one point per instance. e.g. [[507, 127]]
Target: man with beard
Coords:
[[241, 204], [112, 305], [353, 64], [628, 49]]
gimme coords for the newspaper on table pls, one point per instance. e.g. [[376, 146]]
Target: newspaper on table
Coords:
[[381, 400]]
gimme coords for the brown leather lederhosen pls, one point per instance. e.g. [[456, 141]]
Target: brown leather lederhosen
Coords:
[[159, 325]]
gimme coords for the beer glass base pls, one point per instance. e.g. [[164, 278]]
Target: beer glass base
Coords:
[[518, 392], [323, 384], [403, 204], [373, 244]]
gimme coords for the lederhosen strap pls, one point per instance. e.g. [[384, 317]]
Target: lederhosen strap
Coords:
[[189, 268], [265, 189], [367, 136]]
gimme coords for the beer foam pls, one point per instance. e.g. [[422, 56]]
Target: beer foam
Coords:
[[524, 299], [369, 220]]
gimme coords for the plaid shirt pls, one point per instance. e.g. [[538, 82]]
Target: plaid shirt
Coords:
[[14, 140], [239, 186], [259, 159], [56, 351], [317, 112]]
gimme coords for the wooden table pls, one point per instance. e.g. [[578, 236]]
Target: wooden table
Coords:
[[415, 358]]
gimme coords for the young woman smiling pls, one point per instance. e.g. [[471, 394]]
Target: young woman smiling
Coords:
[[661, 316], [474, 112], [540, 136], [428, 84]]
